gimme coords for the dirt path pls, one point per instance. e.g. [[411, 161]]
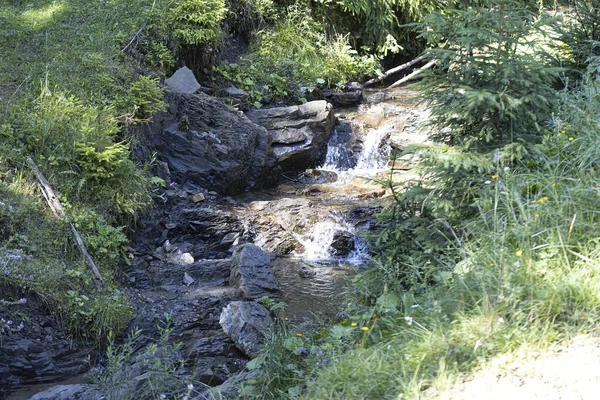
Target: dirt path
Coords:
[[570, 372]]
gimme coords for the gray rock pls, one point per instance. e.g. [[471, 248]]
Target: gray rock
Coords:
[[183, 81], [287, 125], [343, 243], [345, 99], [315, 176], [246, 323], [252, 272], [231, 388], [235, 92], [288, 136], [187, 279], [375, 98], [236, 97], [67, 392], [173, 255], [353, 86], [209, 144]]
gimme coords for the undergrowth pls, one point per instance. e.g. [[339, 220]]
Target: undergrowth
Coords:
[[520, 274], [69, 90]]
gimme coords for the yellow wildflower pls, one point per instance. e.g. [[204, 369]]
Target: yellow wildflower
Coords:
[[554, 185], [518, 253], [491, 264], [495, 176], [353, 324], [364, 328], [537, 215], [298, 334], [286, 318], [545, 198], [570, 139]]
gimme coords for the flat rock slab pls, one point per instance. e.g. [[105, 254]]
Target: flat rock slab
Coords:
[[68, 392], [299, 134], [246, 323]]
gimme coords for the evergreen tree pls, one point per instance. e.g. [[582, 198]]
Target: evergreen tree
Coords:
[[488, 94], [490, 87]]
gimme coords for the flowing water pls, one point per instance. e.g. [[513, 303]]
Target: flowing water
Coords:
[[358, 152]]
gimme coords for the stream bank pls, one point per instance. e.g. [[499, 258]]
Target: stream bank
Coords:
[[309, 223]]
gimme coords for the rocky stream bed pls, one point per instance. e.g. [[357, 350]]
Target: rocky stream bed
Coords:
[[267, 203]]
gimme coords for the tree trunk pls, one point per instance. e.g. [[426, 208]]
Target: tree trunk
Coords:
[[56, 207]]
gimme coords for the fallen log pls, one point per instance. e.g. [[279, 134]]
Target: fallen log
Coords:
[[57, 209], [413, 74], [394, 70]]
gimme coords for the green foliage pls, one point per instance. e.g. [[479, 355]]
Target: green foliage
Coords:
[[160, 362], [103, 241], [377, 25], [198, 22], [51, 267], [247, 17], [490, 86], [294, 355], [581, 33], [145, 97], [294, 54]]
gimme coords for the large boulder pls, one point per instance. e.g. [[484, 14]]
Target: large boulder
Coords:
[[206, 143], [299, 134], [247, 324], [252, 272]]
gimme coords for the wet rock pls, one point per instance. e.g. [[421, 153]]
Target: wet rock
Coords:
[[315, 176], [252, 272], [343, 243], [403, 138], [183, 81], [376, 98], [25, 361], [209, 144], [353, 86], [246, 323], [187, 279], [307, 272], [68, 392], [299, 133], [344, 99], [373, 117]]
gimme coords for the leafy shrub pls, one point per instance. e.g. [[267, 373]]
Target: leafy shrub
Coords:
[[198, 22], [145, 97], [296, 54]]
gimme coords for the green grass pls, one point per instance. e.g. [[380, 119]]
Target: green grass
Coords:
[[66, 101]]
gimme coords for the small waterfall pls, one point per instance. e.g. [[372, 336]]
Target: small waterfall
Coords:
[[319, 242], [375, 154], [370, 159], [340, 155]]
